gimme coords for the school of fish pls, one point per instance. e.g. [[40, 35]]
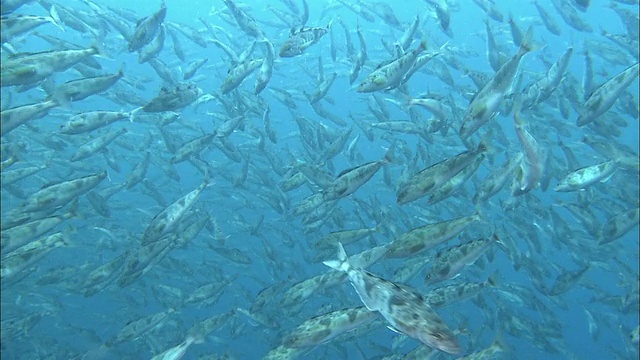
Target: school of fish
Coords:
[[183, 184]]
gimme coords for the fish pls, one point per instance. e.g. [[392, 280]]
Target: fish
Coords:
[[154, 48], [532, 165], [350, 180], [140, 260], [91, 120], [584, 177], [138, 172], [178, 351], [360, 59], [30, 68], [323, 328], [496, 180], [549, 22], [391, 75], [485, 103], [178, 50], [448, 263], [450, 294], [498, 346], [570, 16], [407, 37], [172, 98], [618, 225], [490, 8], [431, 178], [97, 144], [146, 29], [137, 327], [443, 13], [567, 280], [603, 97], [14, 25], [404, 308], [516, 32], [25, 256], [190, 33], [170, 217], [301, 39], [345, 237], [244, 20], [266, 68], [495, 57], [80, 89], [61, 193], [20, 115], [322, 89], [542, 89], [423, 238], [238, 73]]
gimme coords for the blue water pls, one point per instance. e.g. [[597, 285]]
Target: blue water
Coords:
[[74, 325]]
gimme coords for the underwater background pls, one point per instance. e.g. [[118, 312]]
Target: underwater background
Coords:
[[245, 239]]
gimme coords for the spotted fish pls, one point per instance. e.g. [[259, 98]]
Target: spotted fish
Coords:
[[404, 308], [302, 39]]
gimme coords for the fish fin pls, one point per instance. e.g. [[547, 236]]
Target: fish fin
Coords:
[[331, 24], [480, 215], [73, 210], [494, 278], [500, 343], [207, 179], [608, 177], [500, 243], [342, 264], [248, 314], [484, 144], [197, 337], [517, 108], [423, 45], [66, 236], [99, 50], [133, 113], [388, 156], [528, 45], [55, 18]]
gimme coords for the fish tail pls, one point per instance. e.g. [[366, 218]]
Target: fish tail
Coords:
[[66, 236], [55, 18], [73, 210], [494, 278], [528, 45], [504, 247], [342, 264], [517, 105], [480, 214], [196, 337], [388, 156], [206, 181], [405, 103], [500, 343], [330, 24], [121, 69], [133, 113], [423, 45], [484, 146]]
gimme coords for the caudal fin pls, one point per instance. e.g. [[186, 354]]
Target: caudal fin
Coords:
[[342, 264], [528, 45]]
